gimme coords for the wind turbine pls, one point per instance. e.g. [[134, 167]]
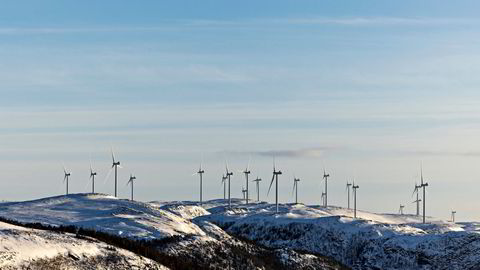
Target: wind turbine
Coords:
[[65, 177], [423, 185], [275, 177], [415, 190], [348, 190], [244, 192], [258, 187], [92, 176], [200, 172], [115, 164], [229, 174], [355, 187], [400, 210], [295, 188], [224, 178], [246, 172], [130, 181], [453, 216], [325, 177]]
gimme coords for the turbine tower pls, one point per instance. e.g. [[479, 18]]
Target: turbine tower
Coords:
[[275, 177], [115, 164], [130, 181], [418, 200], [423, 185], [201, 172], [224, 182], [229, 174], [453, 216], [295, 188], [325, 177], [246, 172], [258, 187], [323, 197], [92, 176], [348, 196], [244, 192], [355, 187], [66, 177], [400, 210]]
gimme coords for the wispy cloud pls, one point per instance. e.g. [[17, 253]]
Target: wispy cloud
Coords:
[[365, 21], [313, 152], [267, 22]]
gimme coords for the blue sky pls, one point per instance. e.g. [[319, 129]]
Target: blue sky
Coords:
[[369, 89]]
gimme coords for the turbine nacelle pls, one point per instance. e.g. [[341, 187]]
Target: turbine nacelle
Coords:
[[130, 180]]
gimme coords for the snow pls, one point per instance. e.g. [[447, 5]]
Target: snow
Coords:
[[374, 239], [104, 213], [19, 246]]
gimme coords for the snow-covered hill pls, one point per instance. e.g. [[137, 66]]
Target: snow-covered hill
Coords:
[[373, 241], [23, 248], [210, 236], [104, 213], [182, 239]]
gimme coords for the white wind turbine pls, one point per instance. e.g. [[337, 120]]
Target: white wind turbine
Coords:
[[66, 178], [115, 165], [200, 172], [229, 175], [130, 181], [92, 177], [257, 182], [275, 178], [295, 188]]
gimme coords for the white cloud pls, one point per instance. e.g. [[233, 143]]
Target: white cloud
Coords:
[[176, 24]]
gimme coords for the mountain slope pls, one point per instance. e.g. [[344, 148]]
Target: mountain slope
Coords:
[[373, 241], [179, 239], [104, 213], [23, 248]]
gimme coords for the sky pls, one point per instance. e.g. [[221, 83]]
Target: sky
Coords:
[[368, 90]]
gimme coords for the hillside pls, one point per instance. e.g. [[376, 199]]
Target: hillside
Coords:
[[213, 237], [182, 241], [23, 248]]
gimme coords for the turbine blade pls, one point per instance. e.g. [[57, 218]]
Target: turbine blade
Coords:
[[273, 178], [113, 156], [91, 167], [108, 174], [85, 188], [421, 173], [294, 184]]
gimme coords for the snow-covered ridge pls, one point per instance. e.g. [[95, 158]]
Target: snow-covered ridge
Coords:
[[103, 213], [383, 241], [30, 249]]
